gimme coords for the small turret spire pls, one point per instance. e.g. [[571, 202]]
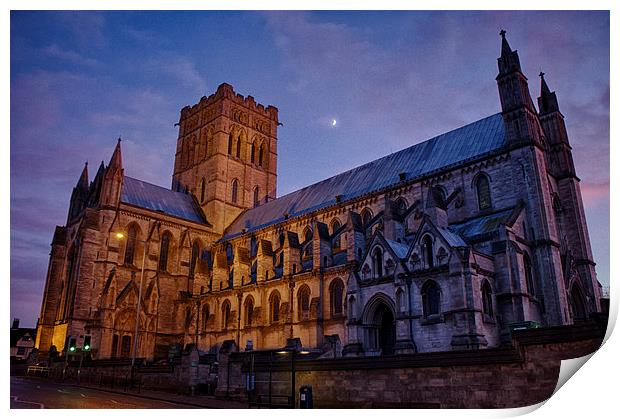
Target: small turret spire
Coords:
[[505, 47], [544, 89], [548, 101], [83, 181], [116, 161]]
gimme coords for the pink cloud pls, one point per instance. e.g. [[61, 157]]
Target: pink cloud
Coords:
[[594, 193]]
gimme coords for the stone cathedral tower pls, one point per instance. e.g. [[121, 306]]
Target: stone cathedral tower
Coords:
[[227, 155]]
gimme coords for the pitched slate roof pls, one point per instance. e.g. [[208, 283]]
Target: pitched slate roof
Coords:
[[452, 148], [482, 225], [156, 198], [399, 249]]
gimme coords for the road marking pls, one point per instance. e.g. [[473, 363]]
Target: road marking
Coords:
[[82, 394], [114, 401], [62, 391], [41, 405]]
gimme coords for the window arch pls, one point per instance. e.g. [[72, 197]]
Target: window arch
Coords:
[[203, 186], [483, 190], [427, 250], [529, 278], [577, 303], [194, 258], [130, 247], [366, 216], [235, 191], [164, 250], [205, 316], [256, 196], [487, 299], [307, 234], [303, 302], [336, 290], [261, 153], [431, 298], [400, 301], [377, 261], [225, 314], [274, 307], [249, 310], [230, 143], [238, 148], [335, 227], [252, 152], [401, 205], [351, 308]]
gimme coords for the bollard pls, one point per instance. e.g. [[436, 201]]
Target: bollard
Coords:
[[305, 397]]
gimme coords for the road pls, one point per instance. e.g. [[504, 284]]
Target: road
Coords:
[[30, 393]]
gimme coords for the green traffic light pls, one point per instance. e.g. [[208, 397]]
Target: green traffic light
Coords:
[[72, 349], [86, 347]]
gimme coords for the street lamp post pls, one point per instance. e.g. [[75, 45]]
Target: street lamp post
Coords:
[[138, 306], [293, 353]]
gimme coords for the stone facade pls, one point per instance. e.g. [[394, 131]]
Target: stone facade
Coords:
[[445, 259]]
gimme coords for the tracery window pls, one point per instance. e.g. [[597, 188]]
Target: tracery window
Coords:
[[256, 199], [203, 185], [194, 258], [260, 155], [483, 190], [274, 307], [163, 252], [487, 299], [205, 316], [235, 190], [225, 314], [130, 248], [335, 297], [427, 249], [431, 298], [249, 310], [378, 262]]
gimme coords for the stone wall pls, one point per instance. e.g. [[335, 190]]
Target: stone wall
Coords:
[[519, 375]]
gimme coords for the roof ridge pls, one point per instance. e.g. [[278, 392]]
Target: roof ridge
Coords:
[[152, 184]]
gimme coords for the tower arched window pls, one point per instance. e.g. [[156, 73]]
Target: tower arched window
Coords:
[[401, 205], [194, 258], [335, 297], [230, 144], [431, 298], [238, 151], [261, 152], [225, 314], [130, 248], [235, 191], [252, 152], [163, 252], [307, 235], [335, 227], [427, 249], [483, 190], [256, 198], [203, 186], [487, 299], [378, 262], [274, 307]]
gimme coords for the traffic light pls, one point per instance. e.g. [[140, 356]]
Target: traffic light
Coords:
[[86, 346], [72, 345]]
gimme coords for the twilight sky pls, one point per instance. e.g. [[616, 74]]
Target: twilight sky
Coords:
[[390, 79]]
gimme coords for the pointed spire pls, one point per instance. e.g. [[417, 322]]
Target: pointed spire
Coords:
[[505, 47], [83, 181], [116, 161], [544, 89]]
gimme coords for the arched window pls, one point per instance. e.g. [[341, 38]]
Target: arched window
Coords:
[[252, 152], [203, 185], [578, 303], [194, 258], [483, 190], [238, 151], [335, 297], [274, 307], [430, 298], [487, 299], [261, 150], [427, 249], [188, 317], [230, 143], [401, 205], [351, 308], [303, 302], [400, 304], [377, 261], [235, 190], [205, 316], [256, 199], [366, 217], [130, 248], [249, 310], [335, 226], [307, 235], [163, 252], [529, 278], [281, 239], [225, 314]]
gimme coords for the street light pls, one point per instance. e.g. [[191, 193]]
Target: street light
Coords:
[[120, 235], [293, 352]]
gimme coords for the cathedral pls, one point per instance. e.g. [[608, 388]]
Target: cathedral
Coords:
[[446, 245]]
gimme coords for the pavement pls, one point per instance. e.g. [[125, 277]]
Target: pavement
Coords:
[[40, 393]]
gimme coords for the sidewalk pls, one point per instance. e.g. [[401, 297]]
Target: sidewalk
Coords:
[[205, 402]]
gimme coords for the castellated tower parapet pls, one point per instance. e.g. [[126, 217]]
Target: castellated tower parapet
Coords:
[[227, 154]]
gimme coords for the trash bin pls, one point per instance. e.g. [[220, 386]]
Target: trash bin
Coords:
[[305, 397]]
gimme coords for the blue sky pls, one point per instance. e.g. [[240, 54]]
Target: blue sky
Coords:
[[391, 79]]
